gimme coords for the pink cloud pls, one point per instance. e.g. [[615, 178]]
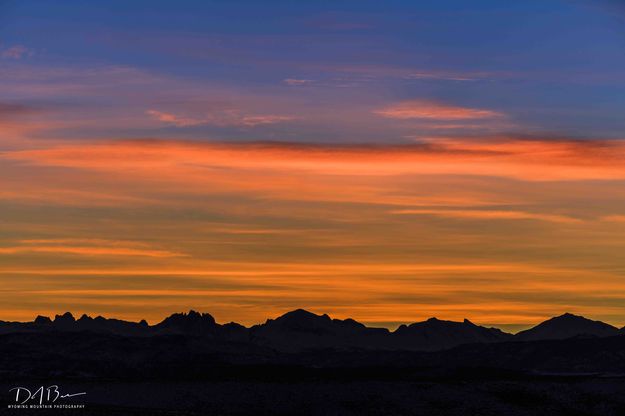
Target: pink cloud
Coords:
[[443, 75], [260, 120], [296, 82], [421, 109], [219, 118], [177, 121], [17, 52]]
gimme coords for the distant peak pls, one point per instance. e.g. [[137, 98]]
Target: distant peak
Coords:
[[85, 317], [569, 317], [191, 317], [301, 314], [66, 317], [350, 321], [433, 319], [567, 325], [42, 320], [300, 311]]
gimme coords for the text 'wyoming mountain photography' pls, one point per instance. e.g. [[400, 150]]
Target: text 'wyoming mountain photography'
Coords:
[[350, 207]]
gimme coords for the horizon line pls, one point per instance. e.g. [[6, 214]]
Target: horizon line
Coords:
[[499, 326]]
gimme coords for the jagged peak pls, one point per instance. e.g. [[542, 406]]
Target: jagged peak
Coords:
[[66, 317], [85, 317], [191, 316]]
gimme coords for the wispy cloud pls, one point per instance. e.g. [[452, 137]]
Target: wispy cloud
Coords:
[[173, 119], [447, 75], [296, 81], [16, 52], [406, 73], [421, 109], [222, 118], [488, 215], [266, 119], [79, 98], [86, 247]]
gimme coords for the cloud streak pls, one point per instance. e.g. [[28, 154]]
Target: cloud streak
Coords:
[[529, 160], [223, 119], [86, 247], [428, 110], [295, 82], [489, 215]]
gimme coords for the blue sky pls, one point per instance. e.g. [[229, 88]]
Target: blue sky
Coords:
[[552, 68]]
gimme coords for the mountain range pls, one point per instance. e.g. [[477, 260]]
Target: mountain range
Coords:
[[305, 363], [300, 330]]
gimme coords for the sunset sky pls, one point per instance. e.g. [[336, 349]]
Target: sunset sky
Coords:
[[386, 161]]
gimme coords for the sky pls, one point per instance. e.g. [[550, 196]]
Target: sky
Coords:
[[385, 161]]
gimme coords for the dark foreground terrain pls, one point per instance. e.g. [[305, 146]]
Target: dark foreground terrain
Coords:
[[310, 365], [344, 396]]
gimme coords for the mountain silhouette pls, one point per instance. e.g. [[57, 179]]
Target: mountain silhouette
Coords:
[[567, 326], [435, 334], [301, 330], [67, 322], [192, 361], [192, 323]]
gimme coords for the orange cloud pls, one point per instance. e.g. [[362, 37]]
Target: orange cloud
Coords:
[[420, 109], [530, 160], [265, 227], [87, 247], [614, 218], [488, 215]]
